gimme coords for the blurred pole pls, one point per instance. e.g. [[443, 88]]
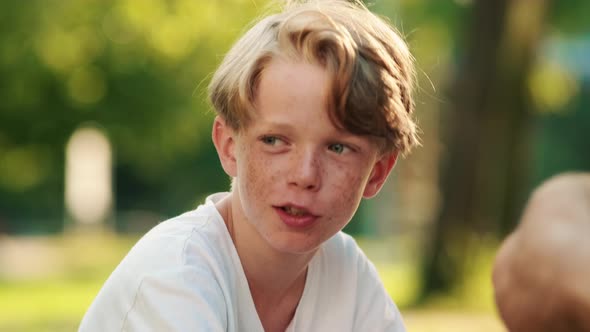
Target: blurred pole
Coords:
[[88, 187], [483, 167]]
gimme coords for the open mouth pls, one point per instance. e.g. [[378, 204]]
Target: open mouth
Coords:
[[296, 216], [293, 211]]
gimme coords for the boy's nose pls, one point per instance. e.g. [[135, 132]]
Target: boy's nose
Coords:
[[306, 171]]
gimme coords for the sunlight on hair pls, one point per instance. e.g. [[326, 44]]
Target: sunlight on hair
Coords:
[[88, 188]]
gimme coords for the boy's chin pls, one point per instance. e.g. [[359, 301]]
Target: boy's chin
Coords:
[[295, 244]]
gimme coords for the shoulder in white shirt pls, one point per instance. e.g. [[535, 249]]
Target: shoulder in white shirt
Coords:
[[185, 275]]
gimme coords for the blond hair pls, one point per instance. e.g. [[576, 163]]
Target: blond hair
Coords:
[[370, 67]]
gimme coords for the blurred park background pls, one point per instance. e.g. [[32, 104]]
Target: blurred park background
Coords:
[[105, 131]]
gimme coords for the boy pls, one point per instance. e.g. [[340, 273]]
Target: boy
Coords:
[[314, 105]]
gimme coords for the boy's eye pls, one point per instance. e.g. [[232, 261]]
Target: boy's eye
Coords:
[[337, 148], [271, 140]]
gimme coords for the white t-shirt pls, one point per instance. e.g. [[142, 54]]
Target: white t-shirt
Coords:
[[185, 275]]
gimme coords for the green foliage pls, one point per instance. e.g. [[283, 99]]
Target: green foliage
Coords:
[[136, 69], [562, 141], [570, 17]]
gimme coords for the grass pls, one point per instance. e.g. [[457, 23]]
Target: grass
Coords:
[[55, 297], [44, 305], [47, 283]]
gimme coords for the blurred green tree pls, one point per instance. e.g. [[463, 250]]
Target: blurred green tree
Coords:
[[487, 167], [483, 174], [136, 69]]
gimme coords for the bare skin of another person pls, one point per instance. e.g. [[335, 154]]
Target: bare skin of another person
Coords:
[[542, 271]]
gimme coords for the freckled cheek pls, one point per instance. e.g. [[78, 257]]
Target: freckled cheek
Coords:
[[253, 174], [346, 193], [343, 179], [261, 175]]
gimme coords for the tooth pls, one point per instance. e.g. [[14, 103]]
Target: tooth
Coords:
[[294, 211]]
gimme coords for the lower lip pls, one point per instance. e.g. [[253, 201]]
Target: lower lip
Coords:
[[295, 221]]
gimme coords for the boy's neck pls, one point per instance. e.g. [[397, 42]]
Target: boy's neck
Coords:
[[276, 280]]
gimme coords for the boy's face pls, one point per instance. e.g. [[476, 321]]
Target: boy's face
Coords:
[[299, 179]]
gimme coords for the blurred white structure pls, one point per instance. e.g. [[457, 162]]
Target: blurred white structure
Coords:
[[88, 178]]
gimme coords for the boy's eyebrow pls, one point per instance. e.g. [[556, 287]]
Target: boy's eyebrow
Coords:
[[277, 125]]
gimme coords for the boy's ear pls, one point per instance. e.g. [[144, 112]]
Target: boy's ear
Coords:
[[380, 172], [224, 141]]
